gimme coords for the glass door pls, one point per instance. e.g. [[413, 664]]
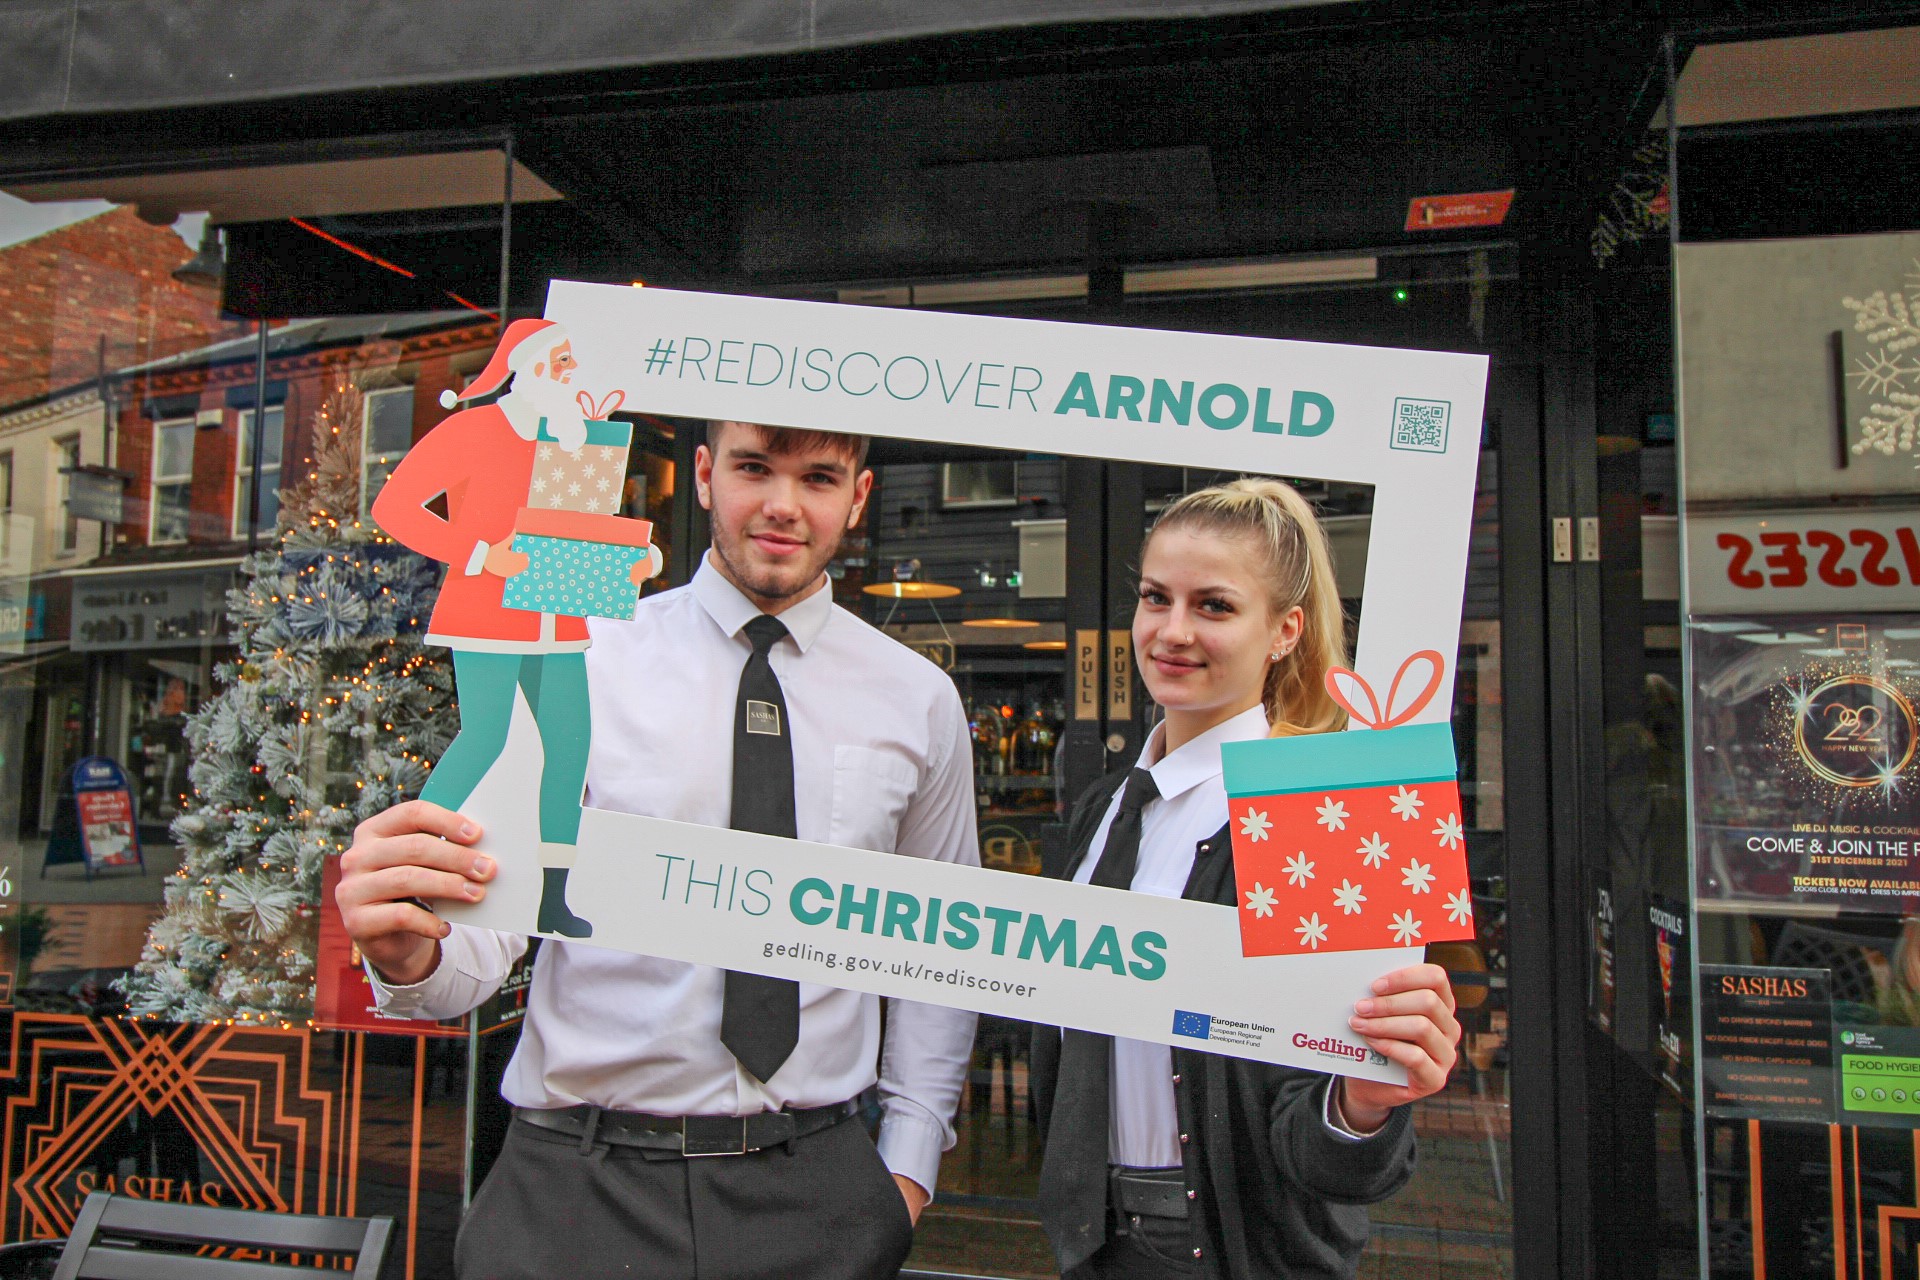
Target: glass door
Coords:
[[1088, 518], [1800, 535]]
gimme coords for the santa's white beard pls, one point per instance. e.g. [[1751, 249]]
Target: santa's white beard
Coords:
[[555, 402]]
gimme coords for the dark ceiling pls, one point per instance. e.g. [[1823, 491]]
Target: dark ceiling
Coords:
[[1283, 152]]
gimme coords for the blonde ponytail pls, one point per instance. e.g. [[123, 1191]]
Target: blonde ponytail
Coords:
[[1299, 571]]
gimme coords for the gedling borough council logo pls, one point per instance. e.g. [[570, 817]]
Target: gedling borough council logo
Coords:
[[1855, 731]]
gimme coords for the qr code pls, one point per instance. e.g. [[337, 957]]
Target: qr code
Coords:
[[1421, 425]]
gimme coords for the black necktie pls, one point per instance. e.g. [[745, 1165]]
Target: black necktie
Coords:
[[1073, 1173], [1122, 855], [760, 1021]]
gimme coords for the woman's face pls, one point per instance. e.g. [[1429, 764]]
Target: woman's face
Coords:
[[1204, 625]]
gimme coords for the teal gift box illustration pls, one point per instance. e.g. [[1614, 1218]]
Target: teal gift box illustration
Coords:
[[578, 565], [1350, 841], [580, 552]]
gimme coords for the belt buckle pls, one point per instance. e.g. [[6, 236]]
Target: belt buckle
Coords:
[[693, 1146]]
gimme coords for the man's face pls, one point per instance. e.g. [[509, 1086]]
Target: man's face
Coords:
[[777, 518]]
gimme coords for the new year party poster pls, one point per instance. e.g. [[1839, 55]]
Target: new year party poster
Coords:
[[1806, 788]]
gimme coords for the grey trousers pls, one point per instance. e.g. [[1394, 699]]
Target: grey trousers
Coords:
[[828, 1211], [1149, 1249]]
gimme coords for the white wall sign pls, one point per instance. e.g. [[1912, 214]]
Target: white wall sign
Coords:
[[1860, 560]]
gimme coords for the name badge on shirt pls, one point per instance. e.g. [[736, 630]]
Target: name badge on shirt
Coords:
[[763, 717]]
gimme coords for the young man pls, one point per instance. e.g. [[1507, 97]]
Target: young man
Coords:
[[746, 699]]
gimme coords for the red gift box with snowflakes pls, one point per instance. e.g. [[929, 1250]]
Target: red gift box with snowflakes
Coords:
[[1350, 841]]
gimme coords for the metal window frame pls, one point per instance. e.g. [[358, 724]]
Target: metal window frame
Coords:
[[368, 458], [155, 480], [244, 470]]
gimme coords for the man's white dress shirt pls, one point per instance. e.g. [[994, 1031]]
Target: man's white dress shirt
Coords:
[[881, 760], [1143, 1125]]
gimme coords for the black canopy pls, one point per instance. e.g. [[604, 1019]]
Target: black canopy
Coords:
[[85, 56]]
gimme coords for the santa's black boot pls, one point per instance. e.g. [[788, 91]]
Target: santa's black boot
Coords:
[[554, 915]]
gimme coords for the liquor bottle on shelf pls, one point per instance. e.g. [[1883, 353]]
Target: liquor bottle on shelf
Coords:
[[989, 731], [1033, 743], [1032, 753]]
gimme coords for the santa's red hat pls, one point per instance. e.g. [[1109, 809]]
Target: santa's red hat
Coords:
[[507, 358]]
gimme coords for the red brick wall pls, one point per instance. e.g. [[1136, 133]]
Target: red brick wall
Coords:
[[426, 361], [109, 275]]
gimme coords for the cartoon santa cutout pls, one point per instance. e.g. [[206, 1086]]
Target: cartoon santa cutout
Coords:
[[482, 459]]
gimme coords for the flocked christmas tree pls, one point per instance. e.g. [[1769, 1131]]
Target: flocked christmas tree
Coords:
[[332, 711]]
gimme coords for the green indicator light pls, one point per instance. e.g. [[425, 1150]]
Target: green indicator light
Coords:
[[1402, 294]]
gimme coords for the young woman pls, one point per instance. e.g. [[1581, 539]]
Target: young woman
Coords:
[[1165, 1162]]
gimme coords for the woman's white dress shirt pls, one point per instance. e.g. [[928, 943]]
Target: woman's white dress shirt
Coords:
[[882, 760], [1143, 1125]]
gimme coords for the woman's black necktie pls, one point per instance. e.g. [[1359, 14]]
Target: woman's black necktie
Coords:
[[1073, 1174], [760, 1020]]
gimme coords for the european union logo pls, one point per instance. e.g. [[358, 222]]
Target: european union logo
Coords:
[[1197, 1025]]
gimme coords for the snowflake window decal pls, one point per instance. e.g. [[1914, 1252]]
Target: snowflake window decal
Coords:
[[1890, 321]]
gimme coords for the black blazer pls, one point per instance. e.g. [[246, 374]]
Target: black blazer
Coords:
[[1275, 1193]]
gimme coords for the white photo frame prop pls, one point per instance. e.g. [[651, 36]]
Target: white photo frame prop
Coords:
[[1405, 422]]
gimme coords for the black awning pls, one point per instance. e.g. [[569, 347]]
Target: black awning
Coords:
[[85, 56]]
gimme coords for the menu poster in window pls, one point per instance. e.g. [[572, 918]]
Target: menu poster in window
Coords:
[[105, 803], [1766, 1043], [1804, 768], [1673, 994]]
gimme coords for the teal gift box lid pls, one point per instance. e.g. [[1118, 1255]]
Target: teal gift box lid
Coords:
[[617, 434], [1328, 761]]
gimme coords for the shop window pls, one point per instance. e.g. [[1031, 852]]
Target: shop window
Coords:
[[387, 435], [66, 458], [993, 483], [271, 440], [164, 691], [172, 483]]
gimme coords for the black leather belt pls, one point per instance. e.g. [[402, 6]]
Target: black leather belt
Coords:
[[1156, 1193], [685, 1135]]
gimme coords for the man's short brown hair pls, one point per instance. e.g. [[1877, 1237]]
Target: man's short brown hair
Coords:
[[787, 441]]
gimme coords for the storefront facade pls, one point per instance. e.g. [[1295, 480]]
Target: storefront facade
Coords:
[[183, 1017]]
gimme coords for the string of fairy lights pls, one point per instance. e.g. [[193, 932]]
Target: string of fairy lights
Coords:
[[334, 608]]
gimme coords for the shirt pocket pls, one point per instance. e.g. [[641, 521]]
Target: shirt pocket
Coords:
[[871, 791]]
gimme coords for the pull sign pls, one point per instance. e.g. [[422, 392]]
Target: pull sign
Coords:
[[1086, 675], [1563, 539], [1119, 675]]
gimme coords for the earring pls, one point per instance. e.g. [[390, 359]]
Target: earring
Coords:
[[1275, 657]]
